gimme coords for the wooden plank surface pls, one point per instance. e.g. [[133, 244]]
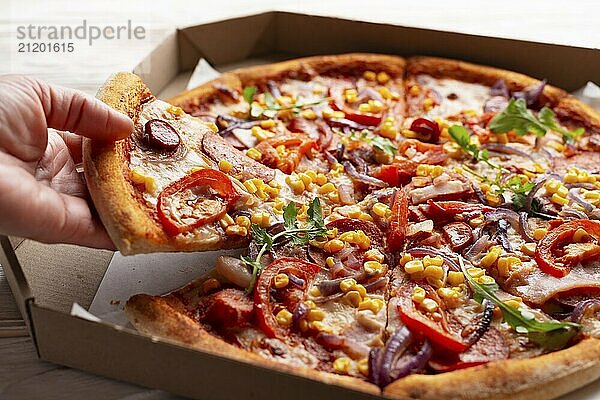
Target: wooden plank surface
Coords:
[[22, 375]]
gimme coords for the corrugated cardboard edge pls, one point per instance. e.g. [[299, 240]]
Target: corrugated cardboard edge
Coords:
[[18, 284]]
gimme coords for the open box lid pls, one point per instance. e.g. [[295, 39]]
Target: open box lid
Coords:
[[99, 347], [289, 35]]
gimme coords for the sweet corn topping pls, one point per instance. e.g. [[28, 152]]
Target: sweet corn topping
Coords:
[[414, 90], [455, 278], [491, 257], [373, 267], [140, 178], [363, 366], [333, 246], [506, 264], [418, 294], [314, 291], [226, 220], [383, 77], [284, 317], [428, 104], [373, 305], [429, 305], [267, 124], [433, 272], [374, 255], [342, 365], [242, 220], [347, 284], [437, 261], [528, 248], [381, 210], [261, 218], [351, 95], [475, 272], [414, 266], [315, 315], [558, 199], [353, 298], [430, 170], [295, 183], [406, 257], [254, 154], [175, 111], [236, 230], [580, 235], [369, 75], [281, 280], [539, 233], [225, 166], [260, 134], [356, 237]]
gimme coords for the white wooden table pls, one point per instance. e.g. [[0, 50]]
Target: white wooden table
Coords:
[[22, 375]]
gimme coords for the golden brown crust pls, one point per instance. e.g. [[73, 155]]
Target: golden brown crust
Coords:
[[573, 111], [539, 378], [474, 73], [156, 316]]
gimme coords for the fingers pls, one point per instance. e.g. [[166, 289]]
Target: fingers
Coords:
[[73, 111], [33, 210]]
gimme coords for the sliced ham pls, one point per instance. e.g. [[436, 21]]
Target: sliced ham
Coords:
[[538, 287], [444, 190], [218, 149]]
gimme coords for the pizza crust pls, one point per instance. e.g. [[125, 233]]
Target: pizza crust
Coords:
[[164, 318], [539, 378]]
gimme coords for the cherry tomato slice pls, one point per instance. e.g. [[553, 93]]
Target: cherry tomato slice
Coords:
[[398, 173], [546, 252], [264, 304], [197, 199], [399, 221], [418, 322], [458, 234]]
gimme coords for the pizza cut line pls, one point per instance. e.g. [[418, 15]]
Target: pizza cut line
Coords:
[[411, 226]]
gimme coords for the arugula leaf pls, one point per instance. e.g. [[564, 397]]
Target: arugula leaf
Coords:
[[315, 228], [248, 93], [461, 136], [516, 117], [551, 334], [378, 142]]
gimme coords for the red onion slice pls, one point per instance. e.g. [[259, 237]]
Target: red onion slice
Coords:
[[425, 251], [366, 179], [394, 348], [409, 363], [584, 307]]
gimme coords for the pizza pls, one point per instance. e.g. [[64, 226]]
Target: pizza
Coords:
[[409, 227]]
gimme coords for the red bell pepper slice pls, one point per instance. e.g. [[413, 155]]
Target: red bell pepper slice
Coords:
[[449, 209], [418, 322], [398, 173], [337, 104], [546, 252], [297, 145], [287, 297], [197, 199], [398, 222]]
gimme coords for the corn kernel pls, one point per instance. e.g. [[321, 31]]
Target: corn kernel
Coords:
[[485, 280], [295, 184], [267, 124], [516, 303], [314, 291], [475, 272], [351, 95], [429, 305], [364, 108], [363, 366], [360, 289], [242, 220], [414, 90], [383, 77], [375, 106], [428, 104], [373, 305], [490, 257], [374, 255], [342, 365], [505, 265], [315, 315], [329, 261], [347, 284], [226, 220], [284, 317], [327, 188], [385, 93], [414, 266], [225, 166], [570, 178], [236, 230], [580, 235], [305, 178], [455, 278], [528, 248], [319, 326], [447, 293], [333, 246], [254, 154], [175, 111], [281, 280], [475, 222], [356, 237], [562, 191], [373, 267], [369, 75], [353, 298], [260, 134], [406, 257], [437, 261], [388, 130], [434, 272], [418, 294], [308, 114], [539, 233], [148, 182]]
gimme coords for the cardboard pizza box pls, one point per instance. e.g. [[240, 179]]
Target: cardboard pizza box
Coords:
[[47, 279]]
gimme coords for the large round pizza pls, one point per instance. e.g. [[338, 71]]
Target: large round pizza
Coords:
[[422, 228]]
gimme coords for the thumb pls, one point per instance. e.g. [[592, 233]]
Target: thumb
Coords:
[[74, 111]]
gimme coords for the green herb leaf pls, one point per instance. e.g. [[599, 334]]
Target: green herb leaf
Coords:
[[315, 228], [516, 117], [378, 142], [248, 93], [552, 334], [461, 136]]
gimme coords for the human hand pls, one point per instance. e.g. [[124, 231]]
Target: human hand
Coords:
[[42, 196]]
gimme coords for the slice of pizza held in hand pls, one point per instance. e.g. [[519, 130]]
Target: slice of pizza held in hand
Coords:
[[409, 227]]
